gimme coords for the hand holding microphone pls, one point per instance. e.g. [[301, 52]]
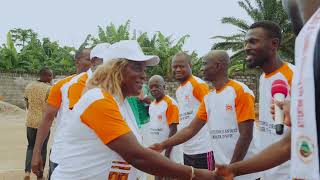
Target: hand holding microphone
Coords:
[[279, 92]]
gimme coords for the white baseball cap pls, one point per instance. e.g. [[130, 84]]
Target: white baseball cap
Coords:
[[99, 51], [131, 50]]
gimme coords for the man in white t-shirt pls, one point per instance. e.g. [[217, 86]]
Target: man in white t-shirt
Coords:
[[197, 151], [164, 118], [228, 111], [261, 45], [304, 148]]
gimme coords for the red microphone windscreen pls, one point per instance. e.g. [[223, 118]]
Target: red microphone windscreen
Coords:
[[279, 86]]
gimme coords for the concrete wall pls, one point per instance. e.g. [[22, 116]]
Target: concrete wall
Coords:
[[12, 85]]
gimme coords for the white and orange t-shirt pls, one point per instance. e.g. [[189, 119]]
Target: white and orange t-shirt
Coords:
[[55, 97], [97, 119], [223, 110], [163, 114], [68, 95], [76, 87], [264, 131], [189, 95]]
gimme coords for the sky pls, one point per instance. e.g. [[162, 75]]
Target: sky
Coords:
[[69, 21]]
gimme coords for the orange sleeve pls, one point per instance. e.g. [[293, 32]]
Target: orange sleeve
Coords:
[[202, 112], [55, 96], [172, 114], [76, 89], [104, 118], [200, 90], [244, 104], [287, 72]]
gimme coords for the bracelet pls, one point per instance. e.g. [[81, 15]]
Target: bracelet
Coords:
[[192, 173]]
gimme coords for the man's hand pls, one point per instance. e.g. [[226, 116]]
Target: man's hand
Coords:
[[224, 171], [157, 147], [203, 174], [37, 164], [167, 153], [285, 106], [146, 100]]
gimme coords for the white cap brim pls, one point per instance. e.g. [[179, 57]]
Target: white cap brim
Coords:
[[131, 50], [150, 60]]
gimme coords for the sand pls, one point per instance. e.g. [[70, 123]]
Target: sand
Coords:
[[13, 142]]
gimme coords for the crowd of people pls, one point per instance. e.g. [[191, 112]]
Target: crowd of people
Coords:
[[113, 122]]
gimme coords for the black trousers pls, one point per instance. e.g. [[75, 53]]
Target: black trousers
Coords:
[[202, 161], [52, 166], [31, 136]]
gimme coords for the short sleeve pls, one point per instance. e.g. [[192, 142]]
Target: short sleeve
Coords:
[[76, 89], [244, 105], [172, 114], [104, 118], [200, 90], [202, 112], [55, 96], [27, 91]]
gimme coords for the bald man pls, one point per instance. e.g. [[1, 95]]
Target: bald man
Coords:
[[164, 118], [229, 112]]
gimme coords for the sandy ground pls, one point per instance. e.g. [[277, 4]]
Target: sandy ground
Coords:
[[13, 143]]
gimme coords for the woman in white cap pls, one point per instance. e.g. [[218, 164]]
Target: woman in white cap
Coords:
[[102, 137]]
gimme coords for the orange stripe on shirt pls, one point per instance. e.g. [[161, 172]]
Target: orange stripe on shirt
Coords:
[[199, 89], [244, 103], [288, 73], [55, 96], [104, 118], [202, 112], [285, 70], [172, 112], [76, 89]]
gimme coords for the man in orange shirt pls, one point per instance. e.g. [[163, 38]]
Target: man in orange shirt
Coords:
[[70, 91]]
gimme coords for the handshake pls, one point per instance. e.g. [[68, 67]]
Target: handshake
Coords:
[[221, 172]]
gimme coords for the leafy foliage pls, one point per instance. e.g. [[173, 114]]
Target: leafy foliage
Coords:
[[157, 44], [258, 10], [34, 54]]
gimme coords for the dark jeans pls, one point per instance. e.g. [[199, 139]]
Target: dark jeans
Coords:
[[31, 136], [52, 166]]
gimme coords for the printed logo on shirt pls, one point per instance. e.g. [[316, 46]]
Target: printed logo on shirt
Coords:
[[228, 107], [305, 149], [160, 117], [187, 97]]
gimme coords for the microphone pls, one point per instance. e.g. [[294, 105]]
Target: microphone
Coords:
[[279, 92]]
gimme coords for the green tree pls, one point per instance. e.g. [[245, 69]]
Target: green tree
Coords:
[[113, 34], [21, 37], [36, 54], [8, 54], [157, 44], [258, 10]]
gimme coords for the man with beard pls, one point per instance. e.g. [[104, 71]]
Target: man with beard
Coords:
[[261, 45], [197, 152], [305, 108]]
